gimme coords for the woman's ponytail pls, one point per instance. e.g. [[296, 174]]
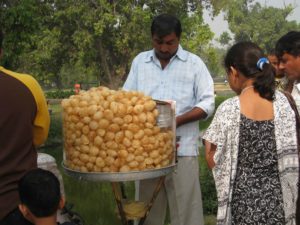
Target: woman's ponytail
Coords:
[[265, 79]]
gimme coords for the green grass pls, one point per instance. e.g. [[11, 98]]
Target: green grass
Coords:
[[55, 108]]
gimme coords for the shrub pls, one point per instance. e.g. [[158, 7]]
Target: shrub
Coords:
[[55, 131], [208, 189], [59, 94]]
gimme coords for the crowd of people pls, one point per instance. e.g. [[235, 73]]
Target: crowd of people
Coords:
[[251, 145]]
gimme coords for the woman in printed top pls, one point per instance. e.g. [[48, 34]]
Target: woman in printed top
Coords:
[[251, 145]]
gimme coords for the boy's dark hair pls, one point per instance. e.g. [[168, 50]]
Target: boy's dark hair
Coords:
[[244, 56], [39, 191], [288, 43], [165, 24]]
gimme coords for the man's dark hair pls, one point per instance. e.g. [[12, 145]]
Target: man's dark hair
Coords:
[[165, 24], [288, 43], [39, 191]]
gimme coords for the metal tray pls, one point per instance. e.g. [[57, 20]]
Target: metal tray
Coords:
[[119, 176]]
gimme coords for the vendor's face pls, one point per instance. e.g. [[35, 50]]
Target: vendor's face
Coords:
[[290, 65], [165, 47]]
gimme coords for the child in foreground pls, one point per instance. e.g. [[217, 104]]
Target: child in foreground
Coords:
[[40, 197]]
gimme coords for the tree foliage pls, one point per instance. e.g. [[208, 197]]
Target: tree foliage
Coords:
[[250, 21], [63, 42], [67, 42], [19, 22], [225, 38]]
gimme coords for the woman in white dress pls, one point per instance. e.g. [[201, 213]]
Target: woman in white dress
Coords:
[[251, 145]]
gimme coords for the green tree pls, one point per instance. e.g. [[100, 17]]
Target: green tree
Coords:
[[19, 21], [225, 38], [262, 25], [64, 42], [115, 31]]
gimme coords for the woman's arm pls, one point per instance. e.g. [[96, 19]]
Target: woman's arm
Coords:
[[210, 150]]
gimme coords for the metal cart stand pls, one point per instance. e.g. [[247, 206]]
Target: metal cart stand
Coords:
[[117, 177]]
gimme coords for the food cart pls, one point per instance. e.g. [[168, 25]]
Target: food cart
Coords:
[[117, 137]]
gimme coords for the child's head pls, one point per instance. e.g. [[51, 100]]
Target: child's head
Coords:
[[40, 193]]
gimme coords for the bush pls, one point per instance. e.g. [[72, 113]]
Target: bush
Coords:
[[59, 94], [208, 189], [55, 132]]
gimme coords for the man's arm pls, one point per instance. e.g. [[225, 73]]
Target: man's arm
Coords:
[[204, 94], [190, 116]]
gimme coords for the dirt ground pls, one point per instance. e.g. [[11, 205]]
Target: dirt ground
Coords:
[[222, 88]]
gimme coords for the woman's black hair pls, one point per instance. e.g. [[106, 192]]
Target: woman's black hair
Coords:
[[244, 56]]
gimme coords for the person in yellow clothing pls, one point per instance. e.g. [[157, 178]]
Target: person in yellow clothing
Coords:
[[24, 125]]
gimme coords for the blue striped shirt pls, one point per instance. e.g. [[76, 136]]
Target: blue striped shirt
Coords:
[[185, 80]]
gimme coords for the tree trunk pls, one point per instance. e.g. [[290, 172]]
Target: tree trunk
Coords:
[[58, 82], [103, 61]]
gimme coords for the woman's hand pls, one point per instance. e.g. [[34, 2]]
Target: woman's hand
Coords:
[[210, 150]]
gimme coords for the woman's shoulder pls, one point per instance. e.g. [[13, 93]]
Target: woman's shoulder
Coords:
[[229, 104]]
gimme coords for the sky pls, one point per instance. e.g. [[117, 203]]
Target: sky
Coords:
[[218, 25]]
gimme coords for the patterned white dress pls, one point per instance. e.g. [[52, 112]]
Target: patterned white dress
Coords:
[[225, 134], [257, 196]]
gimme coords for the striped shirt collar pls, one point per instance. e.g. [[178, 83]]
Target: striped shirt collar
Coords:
[[180, 54]]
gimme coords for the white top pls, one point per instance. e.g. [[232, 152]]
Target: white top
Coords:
[[224, 133], [185, 80]]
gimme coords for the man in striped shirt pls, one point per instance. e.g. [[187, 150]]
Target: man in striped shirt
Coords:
[[168, 72]]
